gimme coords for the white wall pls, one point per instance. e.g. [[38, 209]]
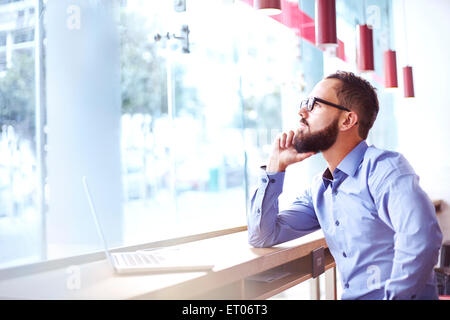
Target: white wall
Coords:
[[424, 122]]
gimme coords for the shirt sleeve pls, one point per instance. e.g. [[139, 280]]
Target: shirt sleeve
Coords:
[[266, 225], [417, 236]]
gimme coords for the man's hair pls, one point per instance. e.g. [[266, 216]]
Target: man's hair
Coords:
[[358, 95]]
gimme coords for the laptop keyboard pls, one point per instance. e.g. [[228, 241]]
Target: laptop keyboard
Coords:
[[135, 259]]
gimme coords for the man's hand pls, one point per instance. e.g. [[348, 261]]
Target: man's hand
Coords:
[[284, 153]]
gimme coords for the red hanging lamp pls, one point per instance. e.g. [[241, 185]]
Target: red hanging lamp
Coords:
[[408, 81], [268, 7], [365, 51], [390, 69], [390, 61], [326, 23], [365, 55]]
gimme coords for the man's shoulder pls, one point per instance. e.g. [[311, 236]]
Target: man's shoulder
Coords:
[[384, 165], [385, 158], [374, 154]]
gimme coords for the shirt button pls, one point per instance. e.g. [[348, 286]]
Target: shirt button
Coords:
[[272, 180], [337, 222], [259, 210], [344, 254], [264, 180]]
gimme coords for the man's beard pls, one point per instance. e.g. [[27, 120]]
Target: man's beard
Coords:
[[318, 141]]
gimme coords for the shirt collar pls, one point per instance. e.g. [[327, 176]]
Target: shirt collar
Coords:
[[351, 162]]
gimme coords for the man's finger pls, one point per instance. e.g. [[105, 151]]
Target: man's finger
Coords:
[[276, 143], [283, 140], [289, 138], [303, 156]]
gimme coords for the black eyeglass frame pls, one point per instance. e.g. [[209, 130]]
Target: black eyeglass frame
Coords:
[[315, 99]]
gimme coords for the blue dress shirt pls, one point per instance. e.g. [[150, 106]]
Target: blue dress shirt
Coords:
[[380, 226]]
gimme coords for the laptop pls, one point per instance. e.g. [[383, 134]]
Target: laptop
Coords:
[[152, 260]]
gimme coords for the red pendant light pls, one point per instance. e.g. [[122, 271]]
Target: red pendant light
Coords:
[[365, 45], [408, 82], [326, 23], [268, 7], [390, 60], [390, 69], [365, 54]]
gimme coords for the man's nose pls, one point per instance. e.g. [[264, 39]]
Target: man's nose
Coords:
[[303, 113]]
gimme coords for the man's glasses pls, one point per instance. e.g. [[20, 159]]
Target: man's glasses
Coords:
[[309, 104]]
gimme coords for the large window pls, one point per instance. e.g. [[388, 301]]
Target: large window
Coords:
[[167, 111], [19, 215]]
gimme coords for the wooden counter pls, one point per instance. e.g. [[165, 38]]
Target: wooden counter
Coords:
[[240, 272]]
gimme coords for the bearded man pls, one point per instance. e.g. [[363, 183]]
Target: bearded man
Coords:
[[368, 202]]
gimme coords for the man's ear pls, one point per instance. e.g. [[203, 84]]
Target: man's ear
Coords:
[[350, 120]]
